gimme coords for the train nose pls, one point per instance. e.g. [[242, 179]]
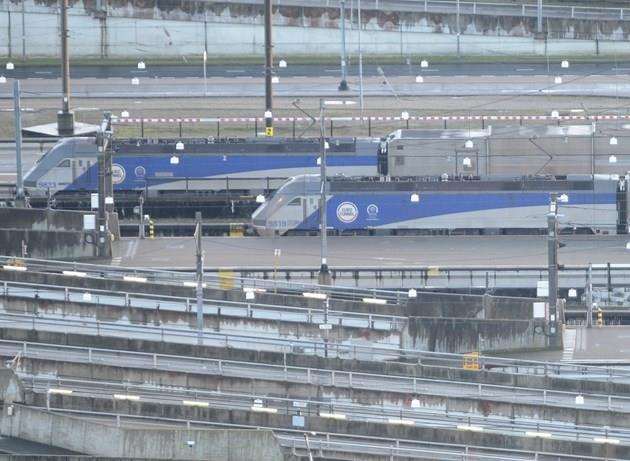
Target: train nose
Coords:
[[259, 221]]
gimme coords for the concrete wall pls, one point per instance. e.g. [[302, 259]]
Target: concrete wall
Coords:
[[86, 436], [224, 324], [458, 335], [426, 368], [144, 28], [317, 424], [56, 234]]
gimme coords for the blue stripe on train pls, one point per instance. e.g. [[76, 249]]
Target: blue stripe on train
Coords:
[[373, 210], [136, 169]]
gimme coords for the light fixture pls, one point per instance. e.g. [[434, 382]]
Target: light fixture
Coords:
[[612, 159], [179, 145], [338, 416], [249, 295], [60, 391], [564, 64], [311, 295], [282, 63], [275, 79], [11, 267], [260, 198], [10, 66], [469, 427], [555, 114], [415, 403], [412, 293], [74, 274], [3, 79], [374, 301], [572, 293], [424, 64], [579, 400], [613, 141], [87, 296], [564, 198], [542, 435], [142, 65], [415, 198], [606, 440], [469, 144], [401, 422], [124, 114], [195, 403], [132, 398], [259, 409], [404, 115], [135, 81], [134, 278], [174, 160], [467, 162], [557, 80], [419, 79], [319, 160], [188, 283], [326, 145], [268, 114]]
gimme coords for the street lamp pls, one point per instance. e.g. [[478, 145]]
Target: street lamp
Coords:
[[324, 274]]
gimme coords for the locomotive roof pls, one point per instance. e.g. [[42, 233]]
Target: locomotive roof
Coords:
[[495, 132], [234, 145]]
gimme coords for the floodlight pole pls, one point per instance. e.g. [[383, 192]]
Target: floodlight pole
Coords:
[[65, 118], [343, 85], [268, 70], [552, 267], [19, 191], [199, 287], [324, 273], [360, 59]]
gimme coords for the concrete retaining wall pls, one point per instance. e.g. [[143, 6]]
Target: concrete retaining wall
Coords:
[[55, 234], [387, 368], [317, 424], [458, 335], [146, 29], [86, 436]]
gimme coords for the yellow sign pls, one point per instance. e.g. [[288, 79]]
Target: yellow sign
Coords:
[[226, 279], [269, 131], [471, 361], [236, 230], [433, 271]]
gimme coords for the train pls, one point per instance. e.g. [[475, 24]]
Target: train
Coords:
[[243, 165], [471, 205], [512, 151]]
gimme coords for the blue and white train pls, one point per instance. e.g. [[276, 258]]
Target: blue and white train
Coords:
[[378, 205], [248, 165]]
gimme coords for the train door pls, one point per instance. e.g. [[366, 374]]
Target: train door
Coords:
[[62, 174], [296, 211]]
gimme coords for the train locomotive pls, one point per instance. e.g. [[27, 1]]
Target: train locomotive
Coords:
[[446, 205], [246, 165]]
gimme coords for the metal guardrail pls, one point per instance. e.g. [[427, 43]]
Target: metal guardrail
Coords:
[[318, 348], [323, 440], [376, 414], [218, 307], [305, 375]]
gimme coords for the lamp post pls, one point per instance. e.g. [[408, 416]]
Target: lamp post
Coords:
[[324, 273], [343, 85]]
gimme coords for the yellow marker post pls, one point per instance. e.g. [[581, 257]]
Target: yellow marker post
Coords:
[[471, 361], [269, 131], [600, 317], [151, 229]]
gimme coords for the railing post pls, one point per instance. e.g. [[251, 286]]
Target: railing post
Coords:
[[332, 378], [350, 379], [155, 360], [6, 289], [220, 367], [127, 300], [545, 397], [24, 349], [308, 375], [425, 6], [572, 12], [415, 385], [66, 294], [90, 355]]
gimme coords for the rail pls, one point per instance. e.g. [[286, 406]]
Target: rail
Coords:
[[316, 348]]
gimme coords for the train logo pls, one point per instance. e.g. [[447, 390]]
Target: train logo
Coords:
[[118, 173], [372, 211], [140, 171], [347, 212]]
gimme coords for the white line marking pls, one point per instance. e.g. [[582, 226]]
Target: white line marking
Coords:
[[569, 345]]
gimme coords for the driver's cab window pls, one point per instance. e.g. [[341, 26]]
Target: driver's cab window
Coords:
[[65, 163], [297, 201]]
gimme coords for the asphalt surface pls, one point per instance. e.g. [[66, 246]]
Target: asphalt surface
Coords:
[[319, 70], [31, 152], [346, 251], [325, 86]]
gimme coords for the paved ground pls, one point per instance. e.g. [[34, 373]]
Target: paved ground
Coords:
[[30, 154], [370, 251], [510, 85], [318, 70]]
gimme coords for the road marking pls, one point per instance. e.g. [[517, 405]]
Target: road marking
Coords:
[[569, 345], [43, 72], [116, 261], [525, 69], [235, 71]]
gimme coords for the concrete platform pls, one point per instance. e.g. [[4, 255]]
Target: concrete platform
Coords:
[[457, 251]]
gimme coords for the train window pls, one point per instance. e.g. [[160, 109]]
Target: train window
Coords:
[[399, 159], [400, 147], [65, 163], [297, 201], [80, 162]]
